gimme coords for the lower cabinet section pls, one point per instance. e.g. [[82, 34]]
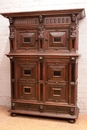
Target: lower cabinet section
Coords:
[[44, 86]]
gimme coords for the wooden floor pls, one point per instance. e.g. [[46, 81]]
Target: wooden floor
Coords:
[[35, 123]]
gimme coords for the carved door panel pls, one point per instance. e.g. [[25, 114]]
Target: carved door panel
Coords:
[[26, 39], [57, 76], [57, 39], [26, 86]]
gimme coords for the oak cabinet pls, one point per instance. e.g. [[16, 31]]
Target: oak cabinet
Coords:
[[44, 62]]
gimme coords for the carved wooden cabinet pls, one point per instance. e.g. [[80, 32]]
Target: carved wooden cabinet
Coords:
[[43, 56]]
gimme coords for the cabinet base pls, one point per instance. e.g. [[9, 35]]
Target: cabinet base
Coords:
[[71, 118]]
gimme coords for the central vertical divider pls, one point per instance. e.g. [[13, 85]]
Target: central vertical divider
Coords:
[[41, 81]]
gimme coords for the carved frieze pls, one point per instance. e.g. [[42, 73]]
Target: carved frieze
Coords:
[[58, 20], [36, 21], [26, 21]]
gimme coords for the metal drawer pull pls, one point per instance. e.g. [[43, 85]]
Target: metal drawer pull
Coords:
[[56, 82], [46, 82]]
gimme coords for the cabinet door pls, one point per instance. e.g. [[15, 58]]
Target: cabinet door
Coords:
[[57, 39], [57, 88], [25, 74], [26, 39]]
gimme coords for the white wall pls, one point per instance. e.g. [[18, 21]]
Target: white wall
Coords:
[[33, 5]]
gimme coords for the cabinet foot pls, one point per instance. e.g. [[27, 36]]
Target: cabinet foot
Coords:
[[13, 114], [71, 120]]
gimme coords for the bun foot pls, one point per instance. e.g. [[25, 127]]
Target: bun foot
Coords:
[[71, 120], [13, 114]]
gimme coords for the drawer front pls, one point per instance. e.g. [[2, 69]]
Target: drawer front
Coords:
[[44, 108]]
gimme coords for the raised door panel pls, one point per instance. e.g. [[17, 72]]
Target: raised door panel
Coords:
[[26, 86], [57, 39], [57, 77], [27, 91], [26, 39]]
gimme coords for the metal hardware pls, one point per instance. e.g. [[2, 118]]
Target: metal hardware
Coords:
[[27, 106], [36, 81], [56, 82], [41, 57], [27, 98], [13, 80], [46, 82]]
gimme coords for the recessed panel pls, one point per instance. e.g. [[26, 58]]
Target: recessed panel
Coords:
[[27, 72], [57, 73], [57, 92], [26, 40], [57, 39], [27, 90]]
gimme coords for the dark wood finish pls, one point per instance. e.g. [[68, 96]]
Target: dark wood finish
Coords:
[[44, 63]]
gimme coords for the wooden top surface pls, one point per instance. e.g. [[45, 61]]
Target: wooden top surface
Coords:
[[45, 53], [79, 12]]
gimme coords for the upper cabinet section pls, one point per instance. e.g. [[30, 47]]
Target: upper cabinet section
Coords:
[[44, 30]]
